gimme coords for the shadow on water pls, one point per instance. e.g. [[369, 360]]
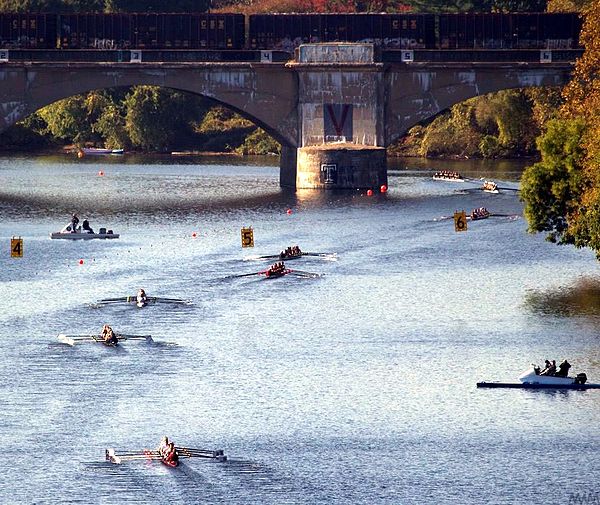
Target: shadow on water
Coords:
[[581, 299]]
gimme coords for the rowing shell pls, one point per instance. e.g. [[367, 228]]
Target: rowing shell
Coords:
[[183, 452], [76, 339]]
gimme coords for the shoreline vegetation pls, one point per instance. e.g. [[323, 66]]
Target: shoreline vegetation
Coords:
[[152, 120]]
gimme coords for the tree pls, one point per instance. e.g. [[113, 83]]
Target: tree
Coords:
[[156, 118], [551, 187]]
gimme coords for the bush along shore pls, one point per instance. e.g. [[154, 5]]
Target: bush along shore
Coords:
[[155, 120]]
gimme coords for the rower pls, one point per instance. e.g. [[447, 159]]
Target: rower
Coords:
[[164, 445], [171, 455], [108, 335], [141, 297]]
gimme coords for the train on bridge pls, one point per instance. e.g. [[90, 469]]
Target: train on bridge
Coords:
[[285, 32]]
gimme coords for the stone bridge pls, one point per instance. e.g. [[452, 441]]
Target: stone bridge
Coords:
[[334, 110]]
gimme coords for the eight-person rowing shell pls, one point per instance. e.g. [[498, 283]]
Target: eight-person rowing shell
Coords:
[[447, 175]]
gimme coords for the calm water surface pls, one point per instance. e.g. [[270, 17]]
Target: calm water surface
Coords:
[[355, 387]]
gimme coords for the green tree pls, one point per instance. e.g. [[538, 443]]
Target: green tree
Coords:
[[551, 187], [157, 118]]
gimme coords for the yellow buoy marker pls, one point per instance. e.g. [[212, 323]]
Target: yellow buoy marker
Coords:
[[16, 247], [460, 221], [247, 237]]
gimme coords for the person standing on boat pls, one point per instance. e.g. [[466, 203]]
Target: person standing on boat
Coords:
[[74, 223]]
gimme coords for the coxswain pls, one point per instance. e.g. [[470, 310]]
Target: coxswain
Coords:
[[141, 298], [74, 223]]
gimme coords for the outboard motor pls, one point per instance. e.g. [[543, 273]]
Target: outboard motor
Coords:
[[581, 378]]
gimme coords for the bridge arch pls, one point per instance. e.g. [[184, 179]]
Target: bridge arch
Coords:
[[266, 98], [418, 95]]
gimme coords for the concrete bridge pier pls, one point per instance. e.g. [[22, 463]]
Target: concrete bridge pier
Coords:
[[340, 115]]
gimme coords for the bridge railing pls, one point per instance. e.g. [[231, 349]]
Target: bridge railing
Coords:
[[481, 55]]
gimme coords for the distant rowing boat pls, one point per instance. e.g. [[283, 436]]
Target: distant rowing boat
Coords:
[[80, 339], [98, 151], [183, 452], [146, 301]]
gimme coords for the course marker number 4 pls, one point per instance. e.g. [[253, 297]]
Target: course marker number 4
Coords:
[[16, 247]]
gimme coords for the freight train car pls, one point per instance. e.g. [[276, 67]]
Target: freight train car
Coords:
[[28, 31], [508, 31], [288, 31], [152, 31]]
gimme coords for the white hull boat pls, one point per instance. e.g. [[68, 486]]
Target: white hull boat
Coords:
[[67, 234], [532, 380], [97, 151]]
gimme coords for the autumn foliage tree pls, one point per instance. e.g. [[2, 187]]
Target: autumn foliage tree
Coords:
[[562, 192]]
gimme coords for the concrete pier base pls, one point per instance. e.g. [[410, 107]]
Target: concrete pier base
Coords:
[[341, 166], [287, 167]]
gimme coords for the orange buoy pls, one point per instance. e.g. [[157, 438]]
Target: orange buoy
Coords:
[[383, 188], [369, 192], [80, 154], [100, 173]]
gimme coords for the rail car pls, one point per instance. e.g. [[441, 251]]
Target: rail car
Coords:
[[468, 31], [393, 31], [122, 31]]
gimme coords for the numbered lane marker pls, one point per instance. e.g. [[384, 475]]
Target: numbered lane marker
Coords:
[[16, 247], [460, 221], [247, 237]]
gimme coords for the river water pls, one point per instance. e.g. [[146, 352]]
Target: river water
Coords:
[[358, 386]]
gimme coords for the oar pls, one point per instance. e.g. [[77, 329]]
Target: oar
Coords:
[[122, 336], [245, 275], [302, 273], [318, 254], [114, 300], [201, 453]]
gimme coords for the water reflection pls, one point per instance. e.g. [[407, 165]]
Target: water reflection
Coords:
[[583, 298]]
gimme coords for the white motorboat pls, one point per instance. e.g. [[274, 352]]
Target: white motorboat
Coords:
[[80, 234], [531, 379]]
